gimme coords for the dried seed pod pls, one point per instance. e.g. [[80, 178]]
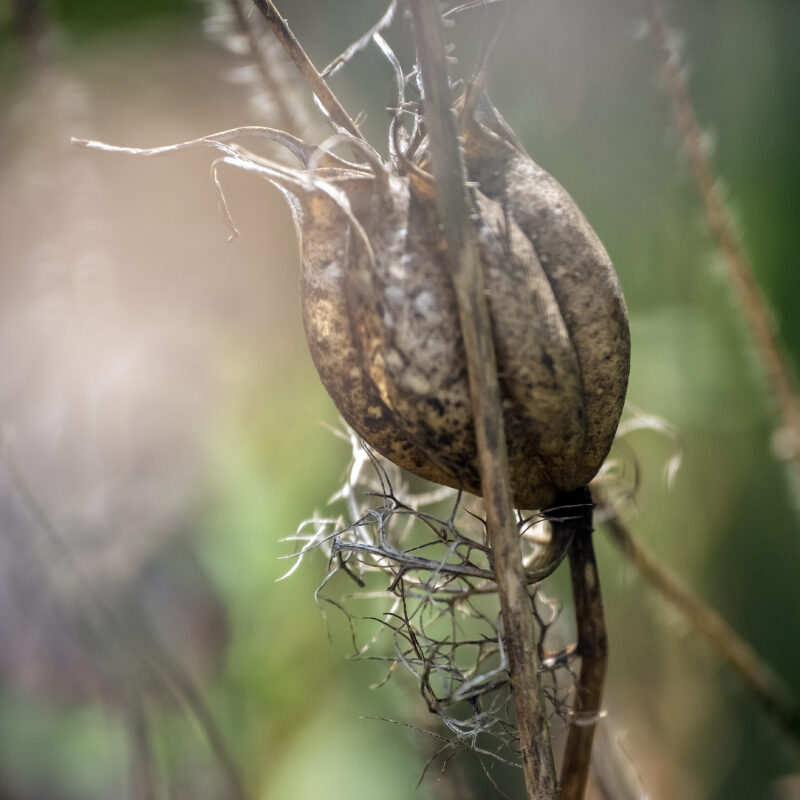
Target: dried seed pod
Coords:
[[382, 322]]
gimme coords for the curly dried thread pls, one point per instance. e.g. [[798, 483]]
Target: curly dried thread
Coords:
[[440, 622]]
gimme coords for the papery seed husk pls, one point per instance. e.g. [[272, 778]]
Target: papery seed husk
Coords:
[[537, 363]]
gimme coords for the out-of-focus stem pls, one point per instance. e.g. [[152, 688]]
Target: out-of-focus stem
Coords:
[[453, 207], [287, 119], [751, 668], [157, 665], [142, 780], [755, 307]]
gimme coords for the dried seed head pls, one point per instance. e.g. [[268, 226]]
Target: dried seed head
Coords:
[[382, 323]]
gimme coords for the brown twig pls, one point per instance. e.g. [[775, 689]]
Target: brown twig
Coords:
[[453, 207], [757, 313], [338, 116], [572, 515], [751, 668]]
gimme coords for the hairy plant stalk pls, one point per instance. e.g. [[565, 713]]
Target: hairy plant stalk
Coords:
[[453, 206], [757, 313], [573, 517], [771, 691]]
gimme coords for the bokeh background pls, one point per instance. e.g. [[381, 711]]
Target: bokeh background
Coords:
[[163, 427]]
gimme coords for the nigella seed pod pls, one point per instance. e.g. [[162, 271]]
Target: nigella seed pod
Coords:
[[382, 323]]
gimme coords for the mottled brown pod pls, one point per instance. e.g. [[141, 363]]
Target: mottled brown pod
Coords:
[[382, 323]]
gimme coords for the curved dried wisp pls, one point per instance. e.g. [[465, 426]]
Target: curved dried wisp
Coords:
[[361, 43]]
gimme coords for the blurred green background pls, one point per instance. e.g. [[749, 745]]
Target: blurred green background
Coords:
[[157, 394]]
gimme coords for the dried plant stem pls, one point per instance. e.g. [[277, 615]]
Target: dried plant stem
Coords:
[[751, 668], [757, 313], [453, 206], [316, 82], [592, 640]]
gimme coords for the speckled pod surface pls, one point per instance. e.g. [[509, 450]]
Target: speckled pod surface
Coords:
[[381, 319]]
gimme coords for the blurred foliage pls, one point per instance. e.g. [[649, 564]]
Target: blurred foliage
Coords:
[[579, 83]]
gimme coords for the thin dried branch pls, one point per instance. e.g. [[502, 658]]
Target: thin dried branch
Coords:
[[758, 316], [545, 564], [441, 622], [451, 12], [770, 690], [454, 214], [490, 38], [142, 779]]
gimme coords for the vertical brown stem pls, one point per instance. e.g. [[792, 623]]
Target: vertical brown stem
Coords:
[[574, 510], [453, 207]]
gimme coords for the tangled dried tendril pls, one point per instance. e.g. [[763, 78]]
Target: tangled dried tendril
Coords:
[[422, 556]]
